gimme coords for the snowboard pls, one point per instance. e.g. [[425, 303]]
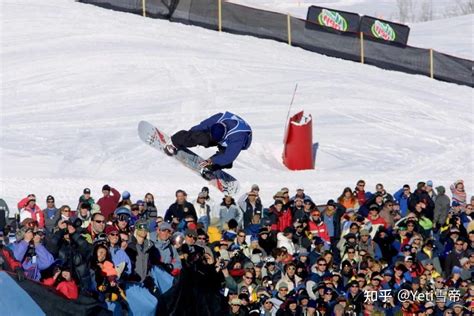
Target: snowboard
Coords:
[[157, 139]]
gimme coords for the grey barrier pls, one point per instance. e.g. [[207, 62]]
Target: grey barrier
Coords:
[[243, 20]]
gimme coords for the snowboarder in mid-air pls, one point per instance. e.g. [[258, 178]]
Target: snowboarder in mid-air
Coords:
[[229, 132]]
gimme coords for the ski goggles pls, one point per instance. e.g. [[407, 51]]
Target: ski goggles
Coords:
[[123, 218], [141, 226]]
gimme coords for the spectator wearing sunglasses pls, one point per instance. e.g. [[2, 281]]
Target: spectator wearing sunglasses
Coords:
[[95, 228], [119, 256], [29, 209], [142, 252], [122, 217], [168, 254]]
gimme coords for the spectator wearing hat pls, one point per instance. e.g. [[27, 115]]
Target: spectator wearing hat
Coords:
[[85, 198], [179, 209], [229, 210], [250, 205], [266, 239], [300, 194], [30, 252], [142, 253], [168, 254], [441, 209], [458, 193], [203, 210], [51, 215], [355, 296], [119, 256], [380, 190], [429, 188], [109, 201], [402, 196], [29, 209], [366, 243], [290, 308], [348, 199], [267, 308], [126, 199], [317, 227], [297, 209], [300, 237], [236, 308], [285, 239], [84, 214]]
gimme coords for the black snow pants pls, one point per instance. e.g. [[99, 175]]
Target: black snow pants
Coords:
[[185, 139]]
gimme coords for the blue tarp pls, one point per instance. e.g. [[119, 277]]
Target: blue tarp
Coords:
[[14, 300]]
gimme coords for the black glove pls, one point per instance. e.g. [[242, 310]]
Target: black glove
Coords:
[[20, 274]]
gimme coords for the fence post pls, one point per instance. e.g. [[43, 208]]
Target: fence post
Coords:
[[144, 8], [219, 9], [361, 47], [431, 64], [288, 21]]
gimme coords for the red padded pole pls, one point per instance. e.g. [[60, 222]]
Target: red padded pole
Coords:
[[298, 151]]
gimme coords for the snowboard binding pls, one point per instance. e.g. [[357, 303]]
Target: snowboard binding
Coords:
[[170, 150], [206, 174]]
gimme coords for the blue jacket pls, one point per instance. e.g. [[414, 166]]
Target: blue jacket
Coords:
[[119, 256], [403, 201], [238, 136]]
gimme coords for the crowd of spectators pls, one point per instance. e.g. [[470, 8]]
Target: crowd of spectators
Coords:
[[354, 255]]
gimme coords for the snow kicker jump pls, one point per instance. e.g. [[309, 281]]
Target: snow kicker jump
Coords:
[[155, 138]]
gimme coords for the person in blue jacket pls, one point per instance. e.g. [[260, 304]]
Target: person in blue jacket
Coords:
[[229, 132]]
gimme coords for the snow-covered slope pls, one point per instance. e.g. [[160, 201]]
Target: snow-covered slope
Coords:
[[77, 79], [452, 36]]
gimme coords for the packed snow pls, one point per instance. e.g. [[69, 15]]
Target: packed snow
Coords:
[[77, 79]]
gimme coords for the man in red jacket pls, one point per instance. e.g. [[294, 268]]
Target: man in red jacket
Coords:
[[317, 226], [108, 203]]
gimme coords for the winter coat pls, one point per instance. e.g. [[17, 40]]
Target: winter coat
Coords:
[[109, 203], [119, 256], [7, 260], [82, 199], [452, 260], [226, 213], [402, 199], [442, 206], [249, 210], [169, 256], [292, 284], [74, 254], [26, 212], [238, 136], [143, 258], [67, 288], [319, 229], [33, 258], [284, 219], [180, 211], [458, 196], [203, 213], [50, 221], [284, 241]]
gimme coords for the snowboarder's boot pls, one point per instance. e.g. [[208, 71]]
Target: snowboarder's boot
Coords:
[[206, 174], [170, 150]]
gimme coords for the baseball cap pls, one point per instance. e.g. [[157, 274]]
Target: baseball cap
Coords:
[[86, 191], [429, 183], [166, 226]]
